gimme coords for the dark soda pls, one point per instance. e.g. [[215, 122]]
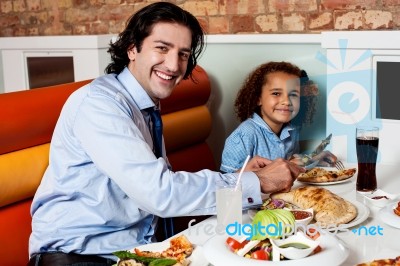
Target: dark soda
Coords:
[[367, 153]]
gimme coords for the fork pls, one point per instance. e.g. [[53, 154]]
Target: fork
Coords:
[[339, 165]]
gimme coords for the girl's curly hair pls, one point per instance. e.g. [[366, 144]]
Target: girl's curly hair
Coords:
[[246, 103]]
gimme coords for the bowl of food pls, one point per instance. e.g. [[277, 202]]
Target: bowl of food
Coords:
[[295, 247], [379, 198], [303, 217]]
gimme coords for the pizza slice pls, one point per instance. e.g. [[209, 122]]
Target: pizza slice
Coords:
[[176, 254], [180, 248], [320, 175], [383, 262]]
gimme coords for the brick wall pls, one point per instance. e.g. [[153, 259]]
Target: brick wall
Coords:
[[91, 17]]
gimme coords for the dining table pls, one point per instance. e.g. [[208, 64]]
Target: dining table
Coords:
[[369, 238]]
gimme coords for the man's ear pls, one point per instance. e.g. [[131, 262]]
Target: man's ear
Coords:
[[132, 53]]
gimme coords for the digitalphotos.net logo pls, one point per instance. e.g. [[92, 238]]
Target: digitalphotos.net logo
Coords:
[[278, 230]]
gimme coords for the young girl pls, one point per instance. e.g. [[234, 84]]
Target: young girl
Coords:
[[272, 96]]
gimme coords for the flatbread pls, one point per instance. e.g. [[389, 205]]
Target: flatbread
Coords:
[[320, 175], [329, 208]]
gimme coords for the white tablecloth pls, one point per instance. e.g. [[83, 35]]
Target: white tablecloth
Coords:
[[363, 247]]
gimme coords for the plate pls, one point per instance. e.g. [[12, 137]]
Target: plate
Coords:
[[333, 253], [197, 258], [362, 215], [328, 183], [388, 217]]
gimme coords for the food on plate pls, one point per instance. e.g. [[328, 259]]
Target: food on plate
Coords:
[[300, 214], [303, 217], [297, 246], [382, 262], [176, 254], [271, 204], [397, 209], [264, 249], [274, 219], [329, 208], [254, 249], [320, 175]]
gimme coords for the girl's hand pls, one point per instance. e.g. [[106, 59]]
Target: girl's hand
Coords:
[[326, 159], [297, 159]]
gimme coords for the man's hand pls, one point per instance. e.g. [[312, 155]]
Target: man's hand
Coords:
[[278, 175], [256, 163]]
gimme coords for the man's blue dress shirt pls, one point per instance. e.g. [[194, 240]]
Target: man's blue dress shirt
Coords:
[[104, 187]]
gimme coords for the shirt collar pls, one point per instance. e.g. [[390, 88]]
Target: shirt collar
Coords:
[[133, 87], [285, 130]]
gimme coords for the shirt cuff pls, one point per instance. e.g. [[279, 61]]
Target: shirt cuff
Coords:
[[251, 189]]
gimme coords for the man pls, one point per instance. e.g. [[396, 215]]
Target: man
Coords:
[[105, 187]]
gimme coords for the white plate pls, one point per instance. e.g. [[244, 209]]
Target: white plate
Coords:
[[362, 215], [389, 217], [197, 258], [329, 183], [333, 253]]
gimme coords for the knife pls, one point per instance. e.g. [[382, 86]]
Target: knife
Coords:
[[321, 146]]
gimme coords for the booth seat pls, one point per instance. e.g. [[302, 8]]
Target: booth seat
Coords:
[[27, 121]]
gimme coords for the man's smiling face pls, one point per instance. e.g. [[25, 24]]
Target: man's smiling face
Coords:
[[163, 59]]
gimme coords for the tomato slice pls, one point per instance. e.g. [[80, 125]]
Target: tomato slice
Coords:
[[313, 234], [317, 249], [233, 244], [260, 255]]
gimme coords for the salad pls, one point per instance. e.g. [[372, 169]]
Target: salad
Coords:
[[259, 245]]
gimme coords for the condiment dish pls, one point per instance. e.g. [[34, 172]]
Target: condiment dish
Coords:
[[379, 198], [295, 247], [303, 217]]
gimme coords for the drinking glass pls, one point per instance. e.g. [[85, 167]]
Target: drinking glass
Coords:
[[229, 203], [367, 142]]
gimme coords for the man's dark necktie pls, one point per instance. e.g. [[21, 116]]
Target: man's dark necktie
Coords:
[[157, 130], [155, 117]]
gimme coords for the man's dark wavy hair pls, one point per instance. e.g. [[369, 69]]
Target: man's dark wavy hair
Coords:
[[140, 25]]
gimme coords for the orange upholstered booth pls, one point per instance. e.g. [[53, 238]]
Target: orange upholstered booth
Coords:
[[27, 121]]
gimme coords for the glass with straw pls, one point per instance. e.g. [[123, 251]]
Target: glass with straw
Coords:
[[229, 200]]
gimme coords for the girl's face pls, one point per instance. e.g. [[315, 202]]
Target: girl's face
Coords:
[[280, 99]]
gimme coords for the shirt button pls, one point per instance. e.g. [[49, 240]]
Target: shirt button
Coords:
[[250, 200]]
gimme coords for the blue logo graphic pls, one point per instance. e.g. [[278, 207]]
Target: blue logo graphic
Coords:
[[368, 231], [349, 94]]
